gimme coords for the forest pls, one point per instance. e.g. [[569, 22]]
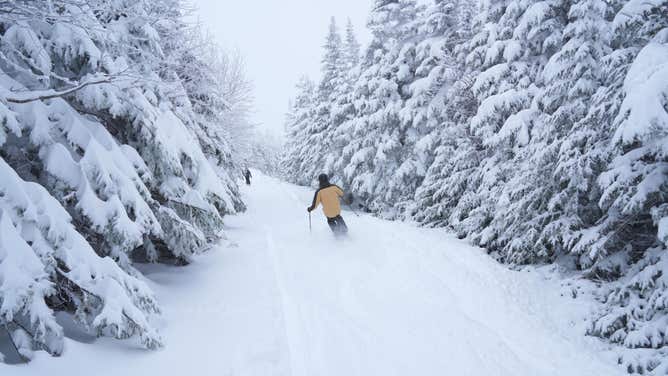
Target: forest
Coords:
[[506, 162], [537, 129], [111, 152]]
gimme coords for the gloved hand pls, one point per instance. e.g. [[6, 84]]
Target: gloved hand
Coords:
[[309, 209]]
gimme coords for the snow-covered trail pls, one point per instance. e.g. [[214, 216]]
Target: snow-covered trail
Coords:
[[393, 299]]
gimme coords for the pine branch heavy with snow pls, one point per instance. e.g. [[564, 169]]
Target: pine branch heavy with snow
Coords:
[[108, 155]]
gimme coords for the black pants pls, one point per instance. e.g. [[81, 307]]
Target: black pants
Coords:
[[248, 180], [338, 225]]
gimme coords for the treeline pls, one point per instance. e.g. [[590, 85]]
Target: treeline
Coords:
[[118, 130], [538, 129]]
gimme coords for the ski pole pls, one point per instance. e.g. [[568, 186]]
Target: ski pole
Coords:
[[351, 208], [310, 230]]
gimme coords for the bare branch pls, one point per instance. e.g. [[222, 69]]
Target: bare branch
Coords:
[[41, 95]]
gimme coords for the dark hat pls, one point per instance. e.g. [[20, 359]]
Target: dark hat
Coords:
[[324, 180]]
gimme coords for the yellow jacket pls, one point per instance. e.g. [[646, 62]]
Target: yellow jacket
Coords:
[[329, 198]]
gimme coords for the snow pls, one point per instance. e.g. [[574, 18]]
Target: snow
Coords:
[[517, 124], [70, 42], [643, 110], [633, 8], [513, 51], [24, 41], [112, 301], [179, 142], [663, 230], [23, 282], [393, 299], [533, 16], [490, 77]]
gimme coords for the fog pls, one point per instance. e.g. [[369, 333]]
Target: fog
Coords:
[[281, 41]]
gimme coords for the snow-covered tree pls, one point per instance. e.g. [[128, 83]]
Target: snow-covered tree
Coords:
[[334, 76], [376, 136], [352, 47], [424, 110], [103, 162], [313, 144], [296, 157], [631, 235], [534, 128], [333, 63]]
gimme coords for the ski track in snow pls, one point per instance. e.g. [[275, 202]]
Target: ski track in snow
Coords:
[[392, 299]]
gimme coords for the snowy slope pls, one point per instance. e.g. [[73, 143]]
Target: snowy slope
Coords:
[[392, 299]]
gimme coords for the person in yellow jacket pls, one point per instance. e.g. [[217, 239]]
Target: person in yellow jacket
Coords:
[[329, 195]]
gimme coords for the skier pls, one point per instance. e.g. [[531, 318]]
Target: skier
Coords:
[[328, 195], [247, 176]]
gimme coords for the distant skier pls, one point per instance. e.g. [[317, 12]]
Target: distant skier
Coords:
[[328, 195], [247, 176]]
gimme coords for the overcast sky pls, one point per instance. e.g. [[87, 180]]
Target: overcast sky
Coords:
[[280, 40]]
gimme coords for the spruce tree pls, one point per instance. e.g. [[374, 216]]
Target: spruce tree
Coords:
[[374, 150], [352, 47], [101, 166], [297, 152], [629, 242]]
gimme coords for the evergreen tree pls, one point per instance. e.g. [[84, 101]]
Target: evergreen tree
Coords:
[[424, 110], [343, 108], [333, 63], [333, 67], [101, 165], [629, 241], [571, 77], [375, 137], [352, 47], [524, 39], [297, 152]]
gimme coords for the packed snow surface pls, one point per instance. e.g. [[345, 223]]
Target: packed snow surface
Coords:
[[392, 299]]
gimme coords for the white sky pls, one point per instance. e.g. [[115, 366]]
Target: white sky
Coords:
[[281, 41]]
